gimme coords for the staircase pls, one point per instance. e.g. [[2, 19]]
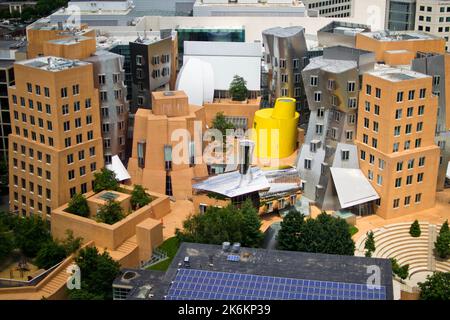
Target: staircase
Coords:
[[158, 255]]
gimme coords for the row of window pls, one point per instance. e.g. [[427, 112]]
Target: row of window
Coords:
[[406, 201], [40, 155], [31, 205], [430, 9], [116, 78], [331, 84], [48, 108]]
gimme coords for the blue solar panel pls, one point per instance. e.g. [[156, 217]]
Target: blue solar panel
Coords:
[[194, 284]]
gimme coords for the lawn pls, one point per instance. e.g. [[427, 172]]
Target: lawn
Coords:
[[170, 246], [353, 230]]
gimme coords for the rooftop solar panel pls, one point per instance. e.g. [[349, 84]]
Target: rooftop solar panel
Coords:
[[191, 284]]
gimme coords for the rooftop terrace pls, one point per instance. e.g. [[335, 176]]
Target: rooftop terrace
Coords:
[[396, 74], [53, 64]]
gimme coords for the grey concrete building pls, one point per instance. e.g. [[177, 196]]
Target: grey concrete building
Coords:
[[109, 76], [438, 66], [286, 54], [332, 88], [400, 15]]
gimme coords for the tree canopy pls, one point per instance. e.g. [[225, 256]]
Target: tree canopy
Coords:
[[436, 287], [30, 234], [6, 241], [442, 244], [414, 230], [325, 234], [98, 272], [110, 213], [218, 225], [105, 180], [78, 205], [222, 124], [139, 198], [401, 271], [238, 89], [369, 245]]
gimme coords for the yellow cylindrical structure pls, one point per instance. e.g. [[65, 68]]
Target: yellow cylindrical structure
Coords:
[[275, 130]]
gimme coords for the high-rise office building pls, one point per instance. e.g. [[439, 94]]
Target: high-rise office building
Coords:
[[56, 143], [400, 15], [333, 8], [395, 138], [433, 16]]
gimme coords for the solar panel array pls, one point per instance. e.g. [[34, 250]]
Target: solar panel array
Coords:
[[234, 258], [191, 284]]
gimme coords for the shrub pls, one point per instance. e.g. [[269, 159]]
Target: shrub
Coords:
[[31, 233], [442, 244], [110, 213], [78, 205], [50, 254], [139, 198], [105, 180], [415, 231], [369, 244], [238, 89], [436, 287], [401, 271]]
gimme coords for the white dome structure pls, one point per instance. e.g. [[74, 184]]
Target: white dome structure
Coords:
[[196, 79]]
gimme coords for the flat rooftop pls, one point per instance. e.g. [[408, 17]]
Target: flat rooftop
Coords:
[[70, 40], [396, 74], [276, 265], [53, 64], [400, 35], [268, 4], [241, 49]]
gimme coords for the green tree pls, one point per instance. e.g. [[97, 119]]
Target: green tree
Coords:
[[50, 254], [436, 287], [325, 234], [105, 180], [222, 124], [401, 271], [71, 244], [110, 213], [414, 230], [238, 89], [217, 225], [251, 225], [30, 234], [442, 244], [6, 241], [139, 198], [98, 272], [369, 245], [78, 205], [289, 234]]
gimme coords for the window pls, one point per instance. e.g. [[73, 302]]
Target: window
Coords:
[[63, 92], [363, 155], [331, 84], [375, 126], [88, 119], [105, 127], [69, 158], [351, 118], [319, 129], [67, 142], [397, 131], [418, 143], [284, 78], [436, 80], [407, 144], [399, 166], [320, 112], [419, 126], [349, 135], [92, 151], [79, 138], [76, 89], [422, 93], [65, 109], [379, 180], [103, 96], [76, 106], [409, 112], [82, 171], [421, 161], [77, 122], [139, 60], [365, 138], [90, 135], [420, 177], [407, 200], [87, 103], [48, 109], [378, 93], [29, 88], [400, 96], [307, 164], [411, 94], [66, 125], [410, 164], [351, 86], [398, 182], [381, 164], [408, 128], [377, 109], [398, 114], [352, 103], [418, 197], [72, 192], [345, 155], [370, 175], [367, 106], [46, 92], [71, 174], [282, 63], [368, 89], [421, 110], [366, 123], [374, 143], [372, 159], [101, 79], [409, 180], [317, 96], [297, 78], [83, 188], [93, 166]]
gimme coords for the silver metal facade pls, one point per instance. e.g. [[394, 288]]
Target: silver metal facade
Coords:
[[434, 65], [109, 76], [286, 54], [332, 86]]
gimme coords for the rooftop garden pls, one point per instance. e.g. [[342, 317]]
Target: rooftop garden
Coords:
[[111, 201], [27, 247], [170, 247]]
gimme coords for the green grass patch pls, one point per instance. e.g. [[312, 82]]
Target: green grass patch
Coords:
[[353, 230], [170, 246]]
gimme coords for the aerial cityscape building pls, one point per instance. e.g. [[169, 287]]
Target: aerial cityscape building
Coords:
[[224, 150]]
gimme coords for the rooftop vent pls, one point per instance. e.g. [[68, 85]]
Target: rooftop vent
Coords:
[[129, 275], [168, 93], [226, 246], [236, 247]]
